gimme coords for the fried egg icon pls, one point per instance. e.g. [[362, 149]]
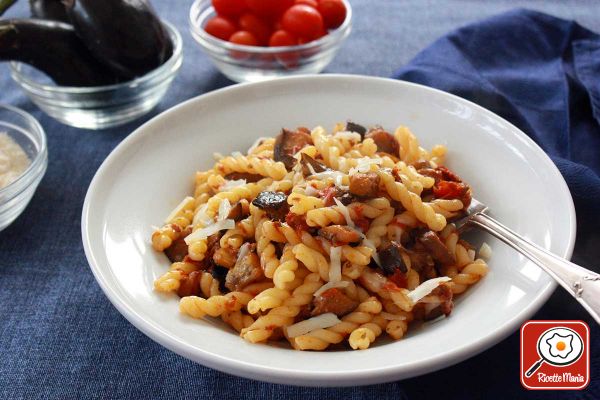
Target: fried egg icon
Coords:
[[560, 346]]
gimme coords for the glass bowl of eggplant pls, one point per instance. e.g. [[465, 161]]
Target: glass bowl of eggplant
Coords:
[[84, 76], [243, 63]]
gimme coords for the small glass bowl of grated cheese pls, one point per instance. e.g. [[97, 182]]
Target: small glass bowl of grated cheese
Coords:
[[23, 161]]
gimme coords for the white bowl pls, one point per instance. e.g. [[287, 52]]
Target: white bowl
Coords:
[[151, 170]]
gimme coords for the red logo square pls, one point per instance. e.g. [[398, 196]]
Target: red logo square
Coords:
[[555, 355]]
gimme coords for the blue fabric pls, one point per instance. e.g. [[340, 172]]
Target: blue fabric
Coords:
[[60, 338]]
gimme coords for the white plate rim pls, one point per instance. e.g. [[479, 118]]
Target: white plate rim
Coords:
[[317, 378]]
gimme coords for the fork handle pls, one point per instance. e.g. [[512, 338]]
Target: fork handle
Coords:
[[581, 283]]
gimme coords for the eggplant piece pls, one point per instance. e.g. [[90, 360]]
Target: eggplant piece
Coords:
[[273, 203], [354, 127], [306, 161], [49, 9], [288, 143], [53, 48], [126, 36]]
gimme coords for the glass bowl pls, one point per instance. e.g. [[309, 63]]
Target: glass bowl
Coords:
[[253, 63], [29, 134], [100, 106]]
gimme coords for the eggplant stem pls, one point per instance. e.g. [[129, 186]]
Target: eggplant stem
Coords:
[[5, 5]]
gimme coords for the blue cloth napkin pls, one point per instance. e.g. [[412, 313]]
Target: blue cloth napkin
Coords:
[[60, 338]]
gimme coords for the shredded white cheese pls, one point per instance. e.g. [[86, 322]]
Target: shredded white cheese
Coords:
[[202, 217], [392, 317], [218, 156], [232, 185], [224, 209], [354, 136], [426, 288], [244, 250], [331, 285], [319, 322], [203, 233], [179, 208], [325, 174], [364, 165], [257, 143], [237, 154], [485, 251], [345, 212], [335, 268], [310, 191]]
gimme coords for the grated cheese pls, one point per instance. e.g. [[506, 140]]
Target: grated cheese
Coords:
[[355, 136], [180, 207], [257, 143], [331, 285], [485, 251], [345, 212], [202, 217], [203, 233], [364, 165], [228, 185], [311, 191], [319, 322], [244, 250], [224, 209], [426, 288], [335, 268]]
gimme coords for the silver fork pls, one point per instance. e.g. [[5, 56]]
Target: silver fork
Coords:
[[581, 283]]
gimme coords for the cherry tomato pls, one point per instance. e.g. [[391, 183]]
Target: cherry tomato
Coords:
[[312, 3], [258, 27], [220, 27], [282, 38], [302, 20], [244, 37], [229, 8], [269, 8], [333, 12]]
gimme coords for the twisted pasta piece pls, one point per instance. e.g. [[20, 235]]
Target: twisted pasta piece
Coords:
[[320, 339], [362, 337], [266, 251], [322, 217], [285, 272], [412, 174], [412, 202], [301, 204], [197, 307], [379, 226], [312, 259], [270, 298], [169, 281], [197, 249], [254, 165], [248, 192], [447, 208], [284, 315], [357, 255], [468, 275], [283, 233], [410, 151], [237, 320], [209, 286], [164, 236]]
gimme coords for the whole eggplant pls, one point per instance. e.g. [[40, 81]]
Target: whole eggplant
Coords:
[[126, 35], [54, 48], [49, 9]]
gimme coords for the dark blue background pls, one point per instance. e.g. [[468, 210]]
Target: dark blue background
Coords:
[[61, 338]]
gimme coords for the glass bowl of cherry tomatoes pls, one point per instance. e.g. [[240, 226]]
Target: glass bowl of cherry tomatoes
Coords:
[[255, 40]]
